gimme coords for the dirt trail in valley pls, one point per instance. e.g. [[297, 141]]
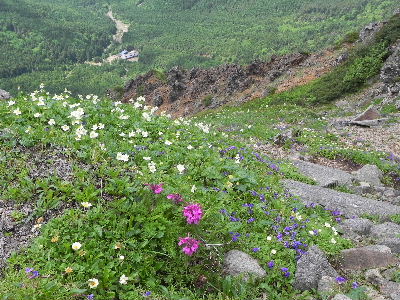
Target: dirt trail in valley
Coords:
[[122, 28]]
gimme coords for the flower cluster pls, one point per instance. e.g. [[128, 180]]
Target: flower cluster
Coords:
[[190, 245], [193, 213]]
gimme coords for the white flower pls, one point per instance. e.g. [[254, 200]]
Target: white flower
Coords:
[[65, 127], [36, 227], [269, 238], [152, 167], [122, 157], [121, 257], [145, 134], [123, 279], [77, 114], [86, 204], [11, 103], [333, 241], [193, 189], [76, 246], [168, 143], [41, 85], [147, 158], [80, 131], [93, 134], [100, 125], [102, 147], [190, 147], [311, 232], [37, 115], [160, 133], [180, 168], [17, 111], [146, 116], [327, 225], [273, 251], [95, 127], [93, 283], [122, 134], [137, 105], [132, 134], [51, 122], [237, 159], [141, 99], [123, 117]]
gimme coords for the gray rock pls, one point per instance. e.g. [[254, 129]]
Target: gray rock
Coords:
[[324, 176], [326, 284], [239, 263], [371, 113], [393, 243], [373, 294], [341, 297], [391, 289], [4, 95], [350, 205], [385, 230], [358, 225], [370, 174], [369, 257], [369, 31], [374, 276], [311, 267], [370, 123]]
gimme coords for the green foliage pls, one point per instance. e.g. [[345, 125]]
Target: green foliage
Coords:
[[48, 41], [207, 101], [126, 229], [349, 38]]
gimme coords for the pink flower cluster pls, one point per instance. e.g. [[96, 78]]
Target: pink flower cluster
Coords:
[[176, 197], [193, 213], [156, 188], [190, 245]]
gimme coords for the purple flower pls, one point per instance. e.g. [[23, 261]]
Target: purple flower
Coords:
[[29, 270], [176, 197], [271, 264], [286, 274], [256, 249], [355, 285], [251, 220], [34, 274], [341, 279], [90, 297], [284, 269], [147, 294]]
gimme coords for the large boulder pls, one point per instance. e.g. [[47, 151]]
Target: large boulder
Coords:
[[370, 174], [385, 230], [311, 267], [239, 263], [369, 257], [324, 176], [357, 225], [393, 243], [390, 72], [4, 95], [348, 204]]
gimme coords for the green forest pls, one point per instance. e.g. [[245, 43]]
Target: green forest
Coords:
[[49, 41]]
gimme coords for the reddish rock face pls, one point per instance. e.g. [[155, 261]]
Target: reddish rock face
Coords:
[[185, 92]]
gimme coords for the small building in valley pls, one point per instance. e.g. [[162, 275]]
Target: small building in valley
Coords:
[[129, 54]]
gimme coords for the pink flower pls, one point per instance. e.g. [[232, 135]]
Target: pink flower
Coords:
[[176, 197], [156, 188], [190, 245], [193, 213]]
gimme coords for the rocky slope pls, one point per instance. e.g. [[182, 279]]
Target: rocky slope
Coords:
[[186, 92]]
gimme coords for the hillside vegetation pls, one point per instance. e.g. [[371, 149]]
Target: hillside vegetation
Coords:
[[202, 33]]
